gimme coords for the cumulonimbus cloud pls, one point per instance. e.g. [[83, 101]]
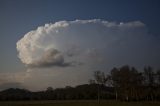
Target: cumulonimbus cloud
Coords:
[[61, 43], [33, 51]]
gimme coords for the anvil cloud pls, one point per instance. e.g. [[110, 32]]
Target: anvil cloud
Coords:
[[96, 41]]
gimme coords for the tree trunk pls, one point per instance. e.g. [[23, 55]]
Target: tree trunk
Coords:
[[127, 98], [98, 94], [116, 95]]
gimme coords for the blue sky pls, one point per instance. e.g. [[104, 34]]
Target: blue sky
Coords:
[[17, 17]]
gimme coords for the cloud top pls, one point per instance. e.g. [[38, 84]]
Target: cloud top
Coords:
[[61, 43]]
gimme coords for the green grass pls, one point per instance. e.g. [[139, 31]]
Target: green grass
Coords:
[[76, 103]]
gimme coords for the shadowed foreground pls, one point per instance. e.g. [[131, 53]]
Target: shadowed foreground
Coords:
[[77, 103]]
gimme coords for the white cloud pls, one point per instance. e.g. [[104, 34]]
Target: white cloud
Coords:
[[95, 44], [60, 35]]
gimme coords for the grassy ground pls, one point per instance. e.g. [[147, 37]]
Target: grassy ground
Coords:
[[77, 103]]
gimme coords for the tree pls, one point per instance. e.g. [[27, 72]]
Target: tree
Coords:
[[126, 82], [158, 77], [149, 76], [100, 79], [49, 89], [136, 82], [158, 84], [114, 80]]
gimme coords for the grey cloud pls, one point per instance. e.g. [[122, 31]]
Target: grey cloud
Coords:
[[73, 50], [50, 57]]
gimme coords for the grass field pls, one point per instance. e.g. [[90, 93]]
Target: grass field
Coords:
[[76, 103]]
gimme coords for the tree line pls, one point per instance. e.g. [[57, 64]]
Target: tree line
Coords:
[[130, 84], [124, 83]]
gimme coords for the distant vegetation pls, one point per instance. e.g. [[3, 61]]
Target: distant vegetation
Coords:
[[125, 83]]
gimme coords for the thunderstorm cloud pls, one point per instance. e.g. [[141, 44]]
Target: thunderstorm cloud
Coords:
[[93, 42]]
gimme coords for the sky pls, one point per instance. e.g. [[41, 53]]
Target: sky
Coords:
[[62, 42]]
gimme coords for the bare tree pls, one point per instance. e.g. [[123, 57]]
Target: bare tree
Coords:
[[101, 80], [149, 81], [127, 82], [114, 81]]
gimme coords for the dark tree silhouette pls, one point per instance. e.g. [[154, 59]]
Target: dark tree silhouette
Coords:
[[149, 76], [100, 79]]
